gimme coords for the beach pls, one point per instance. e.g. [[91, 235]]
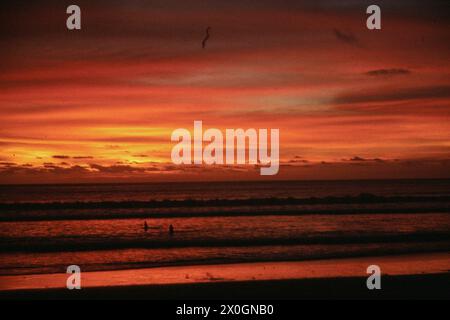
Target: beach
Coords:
[[258, 240], [403, 276]]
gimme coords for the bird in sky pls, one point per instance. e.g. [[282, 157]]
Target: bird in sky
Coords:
[[206, 38]]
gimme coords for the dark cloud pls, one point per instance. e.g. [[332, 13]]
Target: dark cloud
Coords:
[[122, 169], [298, 160], [46, 168], [83, 157], [395, 95], [131, 139], [388, 72], [361, 159], [346, 37], [356, 158], [50, 165], [60, 157], [8, 164]]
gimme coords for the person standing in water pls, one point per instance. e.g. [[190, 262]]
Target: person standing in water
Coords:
[[171, 229], [145, 226]]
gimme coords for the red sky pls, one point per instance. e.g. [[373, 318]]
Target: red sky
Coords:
[[100, 104]]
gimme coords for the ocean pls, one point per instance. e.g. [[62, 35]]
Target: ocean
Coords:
[[45, 228]]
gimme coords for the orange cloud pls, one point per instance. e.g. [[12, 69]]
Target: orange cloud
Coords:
[[102, 98]]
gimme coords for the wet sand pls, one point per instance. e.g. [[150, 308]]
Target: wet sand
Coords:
[[403, 276], [430, 286]]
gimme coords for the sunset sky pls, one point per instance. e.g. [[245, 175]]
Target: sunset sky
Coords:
[[100, 104]]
